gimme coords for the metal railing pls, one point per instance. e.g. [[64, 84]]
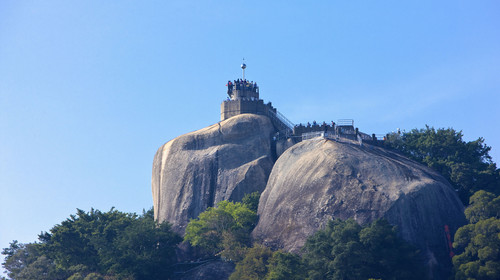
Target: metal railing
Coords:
[[365, 136], [282, 119], [345, 122], [286, 121], [315, 134], [333, 136]]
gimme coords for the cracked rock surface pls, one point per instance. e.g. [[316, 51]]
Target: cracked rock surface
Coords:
[[197, 170]]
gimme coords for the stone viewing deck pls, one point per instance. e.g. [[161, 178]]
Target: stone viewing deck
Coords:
[[243, 98], [242, 89]]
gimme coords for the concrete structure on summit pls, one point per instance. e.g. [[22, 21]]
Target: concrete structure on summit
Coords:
[[243, 98]]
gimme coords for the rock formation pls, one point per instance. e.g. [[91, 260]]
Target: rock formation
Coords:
[[310, 183], [221, 162], [317, 180]]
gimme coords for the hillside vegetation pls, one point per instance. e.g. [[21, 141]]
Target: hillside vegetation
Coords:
[[467, 165], [97, 245]]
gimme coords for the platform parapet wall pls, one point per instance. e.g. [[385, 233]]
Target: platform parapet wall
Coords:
[[300, 128], [231, 108], [341, 129]]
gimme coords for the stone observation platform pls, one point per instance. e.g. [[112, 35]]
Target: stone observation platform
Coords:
[[243, 98]]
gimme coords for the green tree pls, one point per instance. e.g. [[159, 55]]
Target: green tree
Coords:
[[467, 165], [387, 255], [25, 261], [285, 266], [251, 200], [254, 265], [144, 249], [93, 245], [482, 205], [345, 250], [478, 243], [218, 230], [260, 262]]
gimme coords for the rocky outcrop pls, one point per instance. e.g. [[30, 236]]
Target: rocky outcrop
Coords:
[[318, 180], [221, 162], [311, 182]]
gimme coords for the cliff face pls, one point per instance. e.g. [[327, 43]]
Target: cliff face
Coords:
[[317, 180], [221, 162]]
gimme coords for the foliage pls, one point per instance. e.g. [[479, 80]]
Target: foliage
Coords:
[[261, 263], [345, 250], [251, 200], [219, 230], [254, 265], [478, 243], [467, 165], [25, 261], [234, 244], [97, 245], [483, 205], [286, 266]]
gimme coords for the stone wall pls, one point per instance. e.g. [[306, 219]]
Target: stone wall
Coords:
[[231, 108]]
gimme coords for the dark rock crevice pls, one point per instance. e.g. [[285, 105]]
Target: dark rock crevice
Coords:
[[213, 180]]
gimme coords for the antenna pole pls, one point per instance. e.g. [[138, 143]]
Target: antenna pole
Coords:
[[243, 67]]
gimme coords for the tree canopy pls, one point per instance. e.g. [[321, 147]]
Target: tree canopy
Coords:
[[251, 200], [483, 205], [91, 245], [343, 250], [346, 250], [478, 243], [467, 165], [261, 263], [224, 229], [254, 264]]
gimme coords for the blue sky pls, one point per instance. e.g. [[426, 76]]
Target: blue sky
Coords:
[[89, 90]]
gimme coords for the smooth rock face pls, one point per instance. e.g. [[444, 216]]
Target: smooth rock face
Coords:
[[318, 180], [197, 170]]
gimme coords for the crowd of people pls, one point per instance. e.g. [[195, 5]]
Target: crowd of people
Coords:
[[315, 124], [241, 84]]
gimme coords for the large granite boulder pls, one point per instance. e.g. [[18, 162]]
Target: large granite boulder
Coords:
[[221, 162], [318, 180]]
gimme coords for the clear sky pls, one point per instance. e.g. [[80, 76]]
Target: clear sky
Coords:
[[89, 90]]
